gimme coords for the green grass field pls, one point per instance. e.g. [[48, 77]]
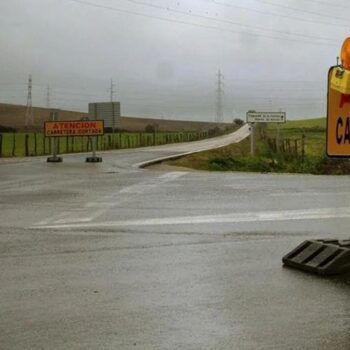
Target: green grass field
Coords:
[[302, 124], [314, 131]]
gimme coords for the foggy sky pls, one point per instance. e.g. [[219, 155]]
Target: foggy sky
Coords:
[[164, 61]]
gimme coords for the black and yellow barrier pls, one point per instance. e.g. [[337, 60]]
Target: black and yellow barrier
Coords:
[[324, 257]]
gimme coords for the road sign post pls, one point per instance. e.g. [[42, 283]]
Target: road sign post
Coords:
[[254, 118], [54, 142], [252, 139], [94, 158]]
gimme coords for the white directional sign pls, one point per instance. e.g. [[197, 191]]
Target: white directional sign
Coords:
[[266, 117]]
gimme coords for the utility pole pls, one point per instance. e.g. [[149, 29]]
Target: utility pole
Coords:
[[48, 97], [29, 116], [219, 118], [111, 91]]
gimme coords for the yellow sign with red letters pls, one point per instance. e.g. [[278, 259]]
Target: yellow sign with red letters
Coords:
[[338, 120], [338, 106], [74, 128]]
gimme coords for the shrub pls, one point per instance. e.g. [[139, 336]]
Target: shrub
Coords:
[[238, 121]]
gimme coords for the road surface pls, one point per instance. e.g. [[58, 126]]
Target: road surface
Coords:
[[111, 256]]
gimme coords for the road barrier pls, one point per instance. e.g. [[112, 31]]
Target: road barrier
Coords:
[[324, 257]]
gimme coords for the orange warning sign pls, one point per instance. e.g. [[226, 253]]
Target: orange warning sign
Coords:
[[74, 128], [338, 121]]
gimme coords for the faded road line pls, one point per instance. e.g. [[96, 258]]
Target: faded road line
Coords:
[[285, 215], [92, 210]]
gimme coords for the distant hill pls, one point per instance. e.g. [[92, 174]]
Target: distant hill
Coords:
[[13, 116]]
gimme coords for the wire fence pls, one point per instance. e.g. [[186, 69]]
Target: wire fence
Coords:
[[36, 144], [300, 143]]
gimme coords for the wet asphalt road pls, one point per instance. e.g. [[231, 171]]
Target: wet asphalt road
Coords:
[[109, 256]]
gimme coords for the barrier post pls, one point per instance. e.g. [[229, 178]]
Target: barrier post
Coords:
[[54, 146], [252, 139], [94, 158]]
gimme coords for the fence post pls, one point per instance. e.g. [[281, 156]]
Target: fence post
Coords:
[[26, 145], [288, 145], [14, 145], [44, 145], [35, 145], [303, 148], [89, 144], [278, 140]]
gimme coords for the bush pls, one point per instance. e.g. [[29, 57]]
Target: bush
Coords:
[[150, 128], [238, 121], [214, 132]]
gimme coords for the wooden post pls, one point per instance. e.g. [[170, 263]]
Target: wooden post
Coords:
[[14, 145], [26, 145], [303, 148], [44, 145], [35, 145]]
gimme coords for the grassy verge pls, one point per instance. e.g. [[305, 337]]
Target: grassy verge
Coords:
[[302, 151]]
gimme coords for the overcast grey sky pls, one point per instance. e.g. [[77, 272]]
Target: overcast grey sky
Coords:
[[163, 55]]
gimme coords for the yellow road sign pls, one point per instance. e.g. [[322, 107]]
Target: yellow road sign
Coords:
[[338, 121], [74, 128]]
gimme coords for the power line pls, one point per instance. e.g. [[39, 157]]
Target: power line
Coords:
[[325, 3], [268, 13], [169, 9], [110, 8], [65, 93], [243, 98], [302, 11]]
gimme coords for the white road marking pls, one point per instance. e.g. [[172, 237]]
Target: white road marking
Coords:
[[284, 215], [172, 176], [304, 194], [147, 186], [92, 210]]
